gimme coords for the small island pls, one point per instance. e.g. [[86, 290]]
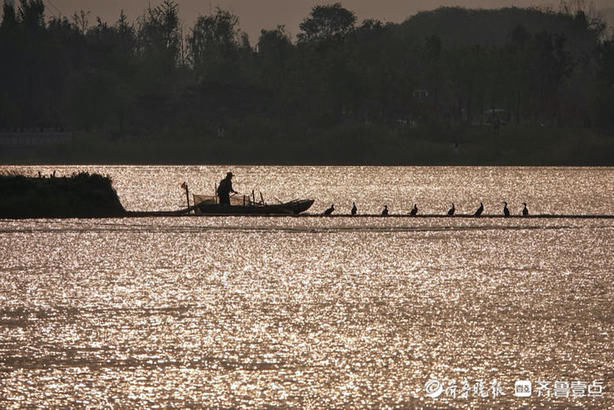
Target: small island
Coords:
[[81, 195]]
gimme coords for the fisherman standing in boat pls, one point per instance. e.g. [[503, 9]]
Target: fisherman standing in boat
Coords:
[[224, 189]]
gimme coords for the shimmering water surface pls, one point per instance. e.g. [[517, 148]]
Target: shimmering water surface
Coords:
[[315, 312]]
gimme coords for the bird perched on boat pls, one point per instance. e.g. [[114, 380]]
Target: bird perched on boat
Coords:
[[506, 212], [354, 209], [451, 210], [414, 211], [525, 211], [479, 211], [329, 210], [385, 211]]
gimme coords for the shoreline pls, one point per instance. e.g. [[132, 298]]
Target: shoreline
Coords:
[[343, 145]]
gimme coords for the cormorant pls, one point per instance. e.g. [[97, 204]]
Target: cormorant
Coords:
[[506, 212], [525, 211], [451, 210], [414, 211], [354, 209], [385, 211], [479, 211], [329, 210]]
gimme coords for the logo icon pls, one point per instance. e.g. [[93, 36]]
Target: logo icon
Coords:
[[522, 388], [433, 388]]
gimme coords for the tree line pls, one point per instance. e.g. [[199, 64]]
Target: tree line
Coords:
[[451, 68]]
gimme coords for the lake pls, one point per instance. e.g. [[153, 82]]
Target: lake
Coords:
[[316, 312]]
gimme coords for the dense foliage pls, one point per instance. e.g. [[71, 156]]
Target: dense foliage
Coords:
[[81, 195], [445, 76]]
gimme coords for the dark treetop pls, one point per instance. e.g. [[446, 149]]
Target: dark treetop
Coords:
[[457, 86]]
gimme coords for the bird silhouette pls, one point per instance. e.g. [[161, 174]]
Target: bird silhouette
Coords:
[[506, 212], [525, 211], [451, 210], [479, 211], [354, 209], [414, 211], [385, 211], [330, 210]]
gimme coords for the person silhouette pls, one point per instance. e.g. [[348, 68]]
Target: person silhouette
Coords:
[[224, 189]]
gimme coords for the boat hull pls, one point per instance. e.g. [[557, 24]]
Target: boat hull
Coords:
[[287, 208]]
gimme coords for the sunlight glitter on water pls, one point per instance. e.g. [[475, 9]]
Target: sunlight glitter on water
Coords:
[[311, 312], [559, 190]]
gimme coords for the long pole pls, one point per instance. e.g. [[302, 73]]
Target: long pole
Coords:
[[187, 196]]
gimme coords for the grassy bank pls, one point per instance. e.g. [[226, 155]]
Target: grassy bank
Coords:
[[81, 195], [356, 144]]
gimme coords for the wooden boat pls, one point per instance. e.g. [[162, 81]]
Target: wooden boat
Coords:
[[244, 205]]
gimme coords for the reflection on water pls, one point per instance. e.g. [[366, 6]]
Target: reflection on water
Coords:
[[310, 312], [553, 190]]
